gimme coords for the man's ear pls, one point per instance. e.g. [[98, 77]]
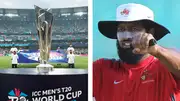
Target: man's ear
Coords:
[[151, 31]]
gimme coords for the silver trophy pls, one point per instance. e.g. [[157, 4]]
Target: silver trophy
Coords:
[[44, 20]]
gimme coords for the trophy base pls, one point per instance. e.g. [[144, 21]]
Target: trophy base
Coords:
[[44, 68]]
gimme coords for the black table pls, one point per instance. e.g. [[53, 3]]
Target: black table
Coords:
[[25, 84]]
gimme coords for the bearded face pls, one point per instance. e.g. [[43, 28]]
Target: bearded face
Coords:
[[126, 55], [125, 34]]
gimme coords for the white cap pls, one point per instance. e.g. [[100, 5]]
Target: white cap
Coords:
[[128, 13], [133, 12]]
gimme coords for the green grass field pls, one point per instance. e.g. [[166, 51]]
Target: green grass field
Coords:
[[80, 63]]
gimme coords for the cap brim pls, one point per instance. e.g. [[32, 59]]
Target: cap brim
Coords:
[[109, 28]]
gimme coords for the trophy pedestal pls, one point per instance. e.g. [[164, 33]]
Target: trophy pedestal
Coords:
[[44, 68], [58, 84]]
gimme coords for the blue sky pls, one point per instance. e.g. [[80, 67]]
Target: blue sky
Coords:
[[166, 13]]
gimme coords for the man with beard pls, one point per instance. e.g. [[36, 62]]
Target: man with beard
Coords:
[[146, 71]]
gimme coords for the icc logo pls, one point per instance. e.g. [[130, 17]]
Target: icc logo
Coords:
[[17, 95]]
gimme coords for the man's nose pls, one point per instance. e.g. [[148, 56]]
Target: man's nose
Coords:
[[128, 36]]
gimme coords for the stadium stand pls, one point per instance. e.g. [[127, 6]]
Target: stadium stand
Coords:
[[17, 26]]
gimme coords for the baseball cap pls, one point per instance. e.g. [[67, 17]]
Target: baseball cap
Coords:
[[132, 12]]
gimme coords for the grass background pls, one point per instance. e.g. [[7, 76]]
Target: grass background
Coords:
[[81, 62]]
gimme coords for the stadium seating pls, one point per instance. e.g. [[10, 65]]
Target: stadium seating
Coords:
[[68, 28]]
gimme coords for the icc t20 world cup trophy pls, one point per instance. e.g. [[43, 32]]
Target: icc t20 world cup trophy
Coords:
[[44, 20]]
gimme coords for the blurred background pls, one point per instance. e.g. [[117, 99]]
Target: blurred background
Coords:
[[166, 12], [17, 26]]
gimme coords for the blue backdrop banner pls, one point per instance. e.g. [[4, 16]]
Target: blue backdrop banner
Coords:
[[32, 56]]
